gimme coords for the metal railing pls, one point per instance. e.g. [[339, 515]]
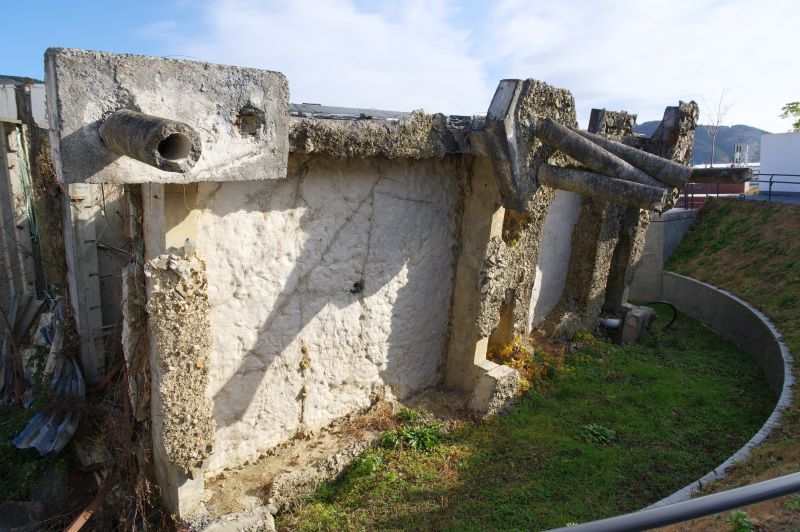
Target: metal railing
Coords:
[[694, 508], [704, 190], [772, 181]]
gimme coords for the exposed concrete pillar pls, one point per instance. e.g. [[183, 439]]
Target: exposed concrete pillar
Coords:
[[482, 221], [167, 224], [594, 239], [81, 214], [234, 123]]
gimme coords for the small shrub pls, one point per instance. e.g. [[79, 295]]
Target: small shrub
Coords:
[[740, 522], [595, 433], [326, 492], [793, 503], [410, 416], [423, 437], [367, 464]]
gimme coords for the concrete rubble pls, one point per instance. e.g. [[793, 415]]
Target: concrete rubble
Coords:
[[303, 263]]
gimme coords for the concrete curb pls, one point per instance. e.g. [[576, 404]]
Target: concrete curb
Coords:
[[738, 321]]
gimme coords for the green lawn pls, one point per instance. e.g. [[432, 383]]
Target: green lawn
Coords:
[[617, 430], [752, 249]]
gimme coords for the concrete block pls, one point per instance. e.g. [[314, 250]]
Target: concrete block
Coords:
[[240, 114], [636, 321], [495, 389]]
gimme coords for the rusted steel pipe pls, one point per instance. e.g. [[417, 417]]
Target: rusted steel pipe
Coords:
[[165, 144], [604, 188], [666, 171], [588, 153], [720, 175]]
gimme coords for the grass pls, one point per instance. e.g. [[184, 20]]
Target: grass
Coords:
[[752, 249], [616, 429]]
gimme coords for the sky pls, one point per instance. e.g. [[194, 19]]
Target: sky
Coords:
[[447, 56]]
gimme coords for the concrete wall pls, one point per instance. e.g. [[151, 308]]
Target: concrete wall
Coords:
[[663, 235], [780, 154], [554, 253], [327, 289]]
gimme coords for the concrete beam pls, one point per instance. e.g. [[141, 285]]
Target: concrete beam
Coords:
[[721, 175]]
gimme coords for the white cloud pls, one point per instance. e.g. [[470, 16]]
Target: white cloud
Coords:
[[402, 57], [637, 55], [643, 55]]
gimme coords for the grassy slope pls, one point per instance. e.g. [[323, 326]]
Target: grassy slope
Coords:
[[673, 402], [753, 250]]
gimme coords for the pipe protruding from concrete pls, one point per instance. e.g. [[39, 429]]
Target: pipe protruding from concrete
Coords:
[[165, 144], [609, 189], [666, 171], [590, 154]]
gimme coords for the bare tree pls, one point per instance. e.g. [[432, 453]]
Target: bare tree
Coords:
[[715, 114]]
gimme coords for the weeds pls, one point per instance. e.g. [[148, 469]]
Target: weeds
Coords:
[[367, 464], [418, 437], [793, 504], [411, 416], [598, 434], [740, 522], [535, 365]]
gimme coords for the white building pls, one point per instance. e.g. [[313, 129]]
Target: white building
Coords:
[[780, 155]]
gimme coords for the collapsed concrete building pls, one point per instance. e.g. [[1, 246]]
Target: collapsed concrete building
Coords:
[[274, 266]]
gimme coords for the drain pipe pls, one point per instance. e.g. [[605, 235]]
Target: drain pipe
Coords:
[[611, 323], [165, 144]]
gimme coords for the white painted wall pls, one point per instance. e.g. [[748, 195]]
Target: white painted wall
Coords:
[[282, 260], [554, 252], [780, 154]]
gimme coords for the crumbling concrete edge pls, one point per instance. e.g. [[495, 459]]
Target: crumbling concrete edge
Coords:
[[288, 488], [258, 519], [178, 319], [784, 400], [417, 136]]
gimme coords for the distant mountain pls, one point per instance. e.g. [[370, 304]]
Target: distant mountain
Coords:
[[17, 80], [727, 136]]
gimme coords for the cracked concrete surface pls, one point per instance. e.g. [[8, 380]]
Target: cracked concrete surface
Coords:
[[326, 289]]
